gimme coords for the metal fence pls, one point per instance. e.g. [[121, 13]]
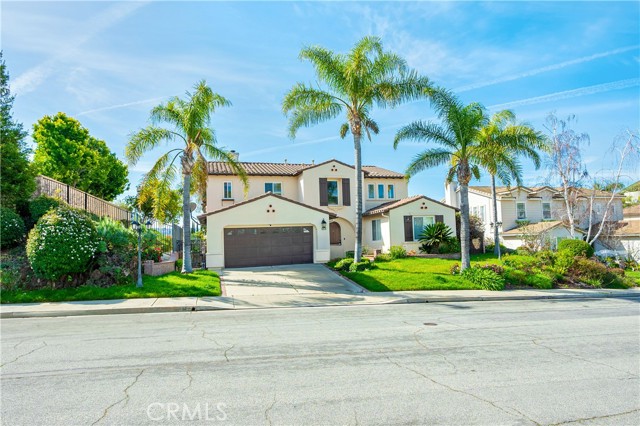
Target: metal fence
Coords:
[[80, 199]]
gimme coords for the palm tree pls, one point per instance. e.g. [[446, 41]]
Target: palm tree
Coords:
[[188, 123], [457, 137], [503, 141], [354, 83]]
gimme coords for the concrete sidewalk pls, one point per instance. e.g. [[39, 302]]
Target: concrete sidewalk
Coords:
[[184, 304]]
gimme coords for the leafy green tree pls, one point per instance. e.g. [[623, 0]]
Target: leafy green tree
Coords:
[[188, 120], [458, 147], [67, 152], [502, 142], [17, 181], [353, 84], [166, 207]]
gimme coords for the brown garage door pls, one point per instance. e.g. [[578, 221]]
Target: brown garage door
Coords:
[[284, 245]]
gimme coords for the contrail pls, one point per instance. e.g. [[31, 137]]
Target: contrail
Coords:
[[546, 69], [128, 104], [589, 90]]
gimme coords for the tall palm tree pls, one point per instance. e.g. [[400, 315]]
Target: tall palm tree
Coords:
[[188, 123], [458, 147], [353, 84], [503, 141]]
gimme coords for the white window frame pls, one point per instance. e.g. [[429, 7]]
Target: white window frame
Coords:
[[524, 205], [413, 225], [337, 192], [273, 184], [391, 191], [230, 190], [543, 216], [371, 191], [376, 230], [381, 193]]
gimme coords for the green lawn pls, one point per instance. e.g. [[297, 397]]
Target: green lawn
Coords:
[[200, 283], [414, 273]]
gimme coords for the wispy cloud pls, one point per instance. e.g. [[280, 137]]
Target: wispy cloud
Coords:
[[589, 90], [32, 78], [548, 68], [125, 105]]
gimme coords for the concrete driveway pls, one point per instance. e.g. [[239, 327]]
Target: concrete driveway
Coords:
[[308, 279]]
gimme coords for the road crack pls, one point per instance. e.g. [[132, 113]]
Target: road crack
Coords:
[[190, 379], [267, 417], [226, 349], [606, 416], [124, 398], [44, 344], [579, 358], [444, 385], [431, 350]]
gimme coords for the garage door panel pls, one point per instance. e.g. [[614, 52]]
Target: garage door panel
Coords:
[[268, 246]]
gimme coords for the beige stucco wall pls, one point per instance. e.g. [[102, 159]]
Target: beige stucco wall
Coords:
[[348, 238], [401, 189], [215, 187], [396, 221], [367, 234], [255, 214]]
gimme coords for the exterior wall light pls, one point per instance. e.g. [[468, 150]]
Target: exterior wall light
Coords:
[[323, 224]]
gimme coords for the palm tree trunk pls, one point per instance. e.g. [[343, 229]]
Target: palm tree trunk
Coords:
[[357, 254], [496, 228], [186, 224], [464, 226]]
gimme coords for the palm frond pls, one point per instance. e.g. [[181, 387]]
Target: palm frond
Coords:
[[427, 159], [145, 140], [344, 129], [328, 65], [307, 116], [419, 131], [220, 154]]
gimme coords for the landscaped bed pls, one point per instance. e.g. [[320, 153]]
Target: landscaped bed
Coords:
[[199, 283]]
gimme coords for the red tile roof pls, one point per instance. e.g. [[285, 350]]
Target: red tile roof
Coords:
[[292, 169], [383, 208]]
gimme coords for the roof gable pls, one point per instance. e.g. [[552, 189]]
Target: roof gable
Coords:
[[260, 197], [383, 208]]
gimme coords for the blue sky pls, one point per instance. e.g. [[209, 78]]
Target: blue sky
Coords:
[[108, 64]]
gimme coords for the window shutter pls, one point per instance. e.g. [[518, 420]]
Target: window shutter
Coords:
[[346, 192], [408, 228], [439, 218], [324, 195]]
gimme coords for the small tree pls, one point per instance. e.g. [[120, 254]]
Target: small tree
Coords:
[[565, 165]]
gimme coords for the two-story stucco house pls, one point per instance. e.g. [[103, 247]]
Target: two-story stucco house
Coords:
[[542, 206], [305, 213]]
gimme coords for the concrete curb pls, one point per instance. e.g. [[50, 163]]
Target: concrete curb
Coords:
[[310, 304]]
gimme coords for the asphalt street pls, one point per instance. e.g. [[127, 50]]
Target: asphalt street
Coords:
[[487, 363]]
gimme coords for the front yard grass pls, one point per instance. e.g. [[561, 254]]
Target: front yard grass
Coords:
[[200, 283], [415, 273], [635, 275]]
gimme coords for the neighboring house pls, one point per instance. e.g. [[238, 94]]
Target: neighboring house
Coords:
[[546, 234], [522, 205], [623, 236], [303, 213]]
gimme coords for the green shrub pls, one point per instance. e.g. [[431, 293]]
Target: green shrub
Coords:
[[455, 269], [521, 262], [503, 249], [592, 272], [452, 246], [546, 257], [564, 261], [492, 267], [485, 278], [384, 257], [433, 236], [344, 264], [115, 234], [178, 264], [397, 252], [62, 243], [11, 228], [536, 280], [39, 206], [365, 265], [576, 248], [15, 270]]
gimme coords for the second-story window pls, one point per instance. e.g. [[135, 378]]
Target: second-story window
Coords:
[[391, 192], [521, 211], [380, 190], [332, 192], [372, 191], [546, 211], [275, 187], [226, 190]]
